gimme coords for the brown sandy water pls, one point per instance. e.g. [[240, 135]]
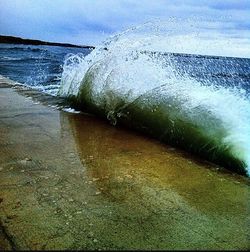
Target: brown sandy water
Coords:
[[72, 181]]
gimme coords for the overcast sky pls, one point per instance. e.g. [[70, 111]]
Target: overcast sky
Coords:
[[91, 21]]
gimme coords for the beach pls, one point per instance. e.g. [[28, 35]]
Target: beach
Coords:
[[73, 181]]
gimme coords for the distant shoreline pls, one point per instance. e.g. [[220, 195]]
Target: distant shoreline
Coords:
[[17, 40]]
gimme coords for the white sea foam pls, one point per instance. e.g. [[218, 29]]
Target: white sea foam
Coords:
[[124, 69]]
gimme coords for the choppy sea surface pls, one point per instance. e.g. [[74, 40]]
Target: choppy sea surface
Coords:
[[39, 67]]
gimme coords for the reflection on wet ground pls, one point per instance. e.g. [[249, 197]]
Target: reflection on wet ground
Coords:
[[156, 191], [72, 181]]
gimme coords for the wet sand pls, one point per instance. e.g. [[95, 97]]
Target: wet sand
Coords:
[[72, 181]]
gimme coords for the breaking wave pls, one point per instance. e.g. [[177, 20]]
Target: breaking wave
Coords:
[[132, 82]]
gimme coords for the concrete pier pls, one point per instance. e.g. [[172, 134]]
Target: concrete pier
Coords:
[[72, 181]]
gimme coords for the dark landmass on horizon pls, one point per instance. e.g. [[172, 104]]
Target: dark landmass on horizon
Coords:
[[4, 39], [18, 40]]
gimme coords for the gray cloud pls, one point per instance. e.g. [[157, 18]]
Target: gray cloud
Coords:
[[89, 22]]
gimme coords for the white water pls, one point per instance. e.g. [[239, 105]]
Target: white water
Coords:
[[124, 71]]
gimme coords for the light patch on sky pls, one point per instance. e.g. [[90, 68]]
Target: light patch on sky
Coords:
[[225, 23]]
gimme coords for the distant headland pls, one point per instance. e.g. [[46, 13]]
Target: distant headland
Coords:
[[18, 40]]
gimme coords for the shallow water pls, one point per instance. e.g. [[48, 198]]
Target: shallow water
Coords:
[[155, 192]]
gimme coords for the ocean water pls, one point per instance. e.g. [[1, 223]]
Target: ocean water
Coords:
[[39, 67], [196, 102]]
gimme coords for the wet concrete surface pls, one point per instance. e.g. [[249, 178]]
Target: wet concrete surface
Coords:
[[72, 181]]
